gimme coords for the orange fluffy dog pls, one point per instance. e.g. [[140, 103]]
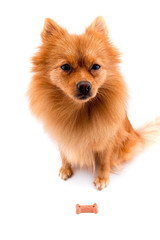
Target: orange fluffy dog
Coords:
[[81, 97]]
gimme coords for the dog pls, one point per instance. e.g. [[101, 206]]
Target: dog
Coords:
[[79, 94]]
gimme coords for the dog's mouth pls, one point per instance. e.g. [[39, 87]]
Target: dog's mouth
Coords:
[[82, 96]]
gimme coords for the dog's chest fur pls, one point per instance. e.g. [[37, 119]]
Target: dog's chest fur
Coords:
[[81, 136]]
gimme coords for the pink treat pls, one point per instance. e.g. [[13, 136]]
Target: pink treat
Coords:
[[86, 208]]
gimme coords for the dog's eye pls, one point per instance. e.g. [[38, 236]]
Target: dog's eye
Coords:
[[95, 67], [66, 67]]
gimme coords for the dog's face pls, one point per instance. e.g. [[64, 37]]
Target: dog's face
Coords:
[[78, 65]]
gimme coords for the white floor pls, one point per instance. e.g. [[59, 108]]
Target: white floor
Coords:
[[34, 202]]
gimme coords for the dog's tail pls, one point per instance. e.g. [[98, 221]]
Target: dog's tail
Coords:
[[150, 132], [138, 140]]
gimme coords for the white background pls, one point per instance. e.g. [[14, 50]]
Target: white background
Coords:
[[34, 202]]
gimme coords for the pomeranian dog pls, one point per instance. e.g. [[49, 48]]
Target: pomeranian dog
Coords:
[[79, 94]]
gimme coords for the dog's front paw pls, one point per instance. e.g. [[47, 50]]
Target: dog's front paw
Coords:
[[101, 183], [65, 173]]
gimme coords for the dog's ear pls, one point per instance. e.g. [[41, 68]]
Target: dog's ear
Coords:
[[98, 25], [50, 28]]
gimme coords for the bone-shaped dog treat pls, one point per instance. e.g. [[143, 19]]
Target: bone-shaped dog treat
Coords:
[[86, 208]]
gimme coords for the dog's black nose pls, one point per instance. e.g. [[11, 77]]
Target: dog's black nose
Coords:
[[84, 87]]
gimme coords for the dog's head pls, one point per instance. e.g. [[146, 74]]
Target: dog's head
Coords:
[[79, 65]]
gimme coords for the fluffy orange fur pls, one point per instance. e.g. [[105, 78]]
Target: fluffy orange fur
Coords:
[[93, 129]]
